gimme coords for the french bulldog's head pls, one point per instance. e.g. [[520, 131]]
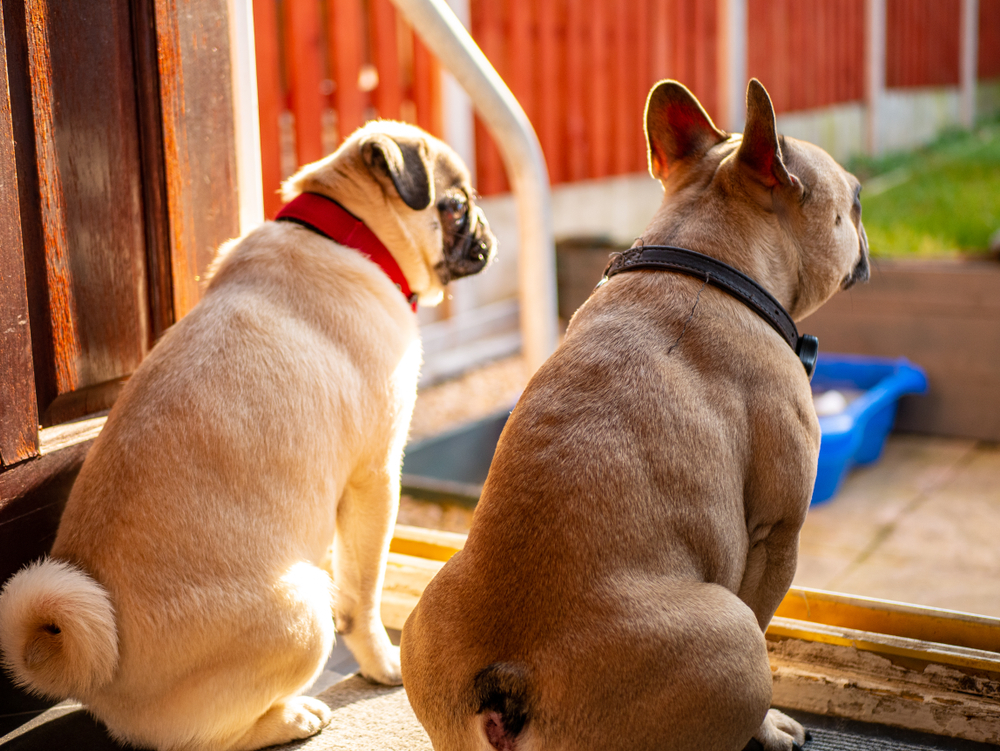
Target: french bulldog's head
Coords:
[[781, 210], [414, 192]]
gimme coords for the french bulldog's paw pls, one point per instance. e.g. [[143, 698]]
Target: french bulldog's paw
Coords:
[[383, 667], [778, 732]]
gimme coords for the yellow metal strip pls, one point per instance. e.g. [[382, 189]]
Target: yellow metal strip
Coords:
[[892, 618]]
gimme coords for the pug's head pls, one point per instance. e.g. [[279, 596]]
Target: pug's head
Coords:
[[414, 192]]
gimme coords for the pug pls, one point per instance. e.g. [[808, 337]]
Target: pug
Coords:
[[242, 495], [639, 524]]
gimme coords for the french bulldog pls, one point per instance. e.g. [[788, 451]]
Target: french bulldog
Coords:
[[639, 524], [242, 494]]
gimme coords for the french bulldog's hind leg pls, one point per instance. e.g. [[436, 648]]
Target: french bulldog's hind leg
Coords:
[[365, 518], [287, 720], [778, 732]]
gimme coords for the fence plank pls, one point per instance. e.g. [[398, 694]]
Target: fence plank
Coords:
[[388, 95], [520, 67], [270, 99], [551, 99], [620, 85], [427, 89], [18, 409], [576, 85], [641, 82], [346, 37], [487, 27], [304, 60], [599, 115]]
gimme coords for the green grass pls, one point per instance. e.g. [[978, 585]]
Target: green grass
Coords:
[[940, 200]]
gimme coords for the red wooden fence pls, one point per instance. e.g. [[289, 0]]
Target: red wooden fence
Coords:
[[327, 66], [922, 42], [807, 54], [580, 68]]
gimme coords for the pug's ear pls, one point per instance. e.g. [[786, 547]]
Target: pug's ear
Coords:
[[403, 164], [759, 155], [677, 128]]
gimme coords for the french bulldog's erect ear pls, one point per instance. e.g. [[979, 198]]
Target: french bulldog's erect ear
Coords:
[[677, 128], [404, 164], [760, 153]]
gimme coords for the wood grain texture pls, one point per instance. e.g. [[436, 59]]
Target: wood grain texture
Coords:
[[199, 138], [304, 67], [86, 136], [65, 337], [151, 164], [427, 89], [346, 37], [922, 42], [18, 409], [388, 95], [270, 99], [944, 316], [842, 681], [32, 236]]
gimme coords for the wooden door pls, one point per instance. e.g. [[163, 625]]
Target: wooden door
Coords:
[[117, 184]]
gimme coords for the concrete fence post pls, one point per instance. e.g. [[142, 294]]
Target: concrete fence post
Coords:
[[731, 63], [874, 71]]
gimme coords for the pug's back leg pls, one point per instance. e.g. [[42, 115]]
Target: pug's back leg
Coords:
[[366, 515]]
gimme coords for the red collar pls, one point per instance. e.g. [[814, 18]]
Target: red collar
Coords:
[[329, 218]]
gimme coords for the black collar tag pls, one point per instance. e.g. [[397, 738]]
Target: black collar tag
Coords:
[[729, 280]]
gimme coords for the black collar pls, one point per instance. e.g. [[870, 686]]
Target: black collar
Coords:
[[726, 278]]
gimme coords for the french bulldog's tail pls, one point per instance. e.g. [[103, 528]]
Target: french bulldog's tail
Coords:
[[57, 630], [503, 697]]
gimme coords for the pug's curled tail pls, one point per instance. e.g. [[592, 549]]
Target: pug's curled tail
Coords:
[[502, 695], [57, 630]]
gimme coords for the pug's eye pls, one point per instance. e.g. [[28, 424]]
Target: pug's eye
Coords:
[[453, 209]]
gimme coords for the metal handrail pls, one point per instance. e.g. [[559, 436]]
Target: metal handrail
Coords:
[[444, 35]]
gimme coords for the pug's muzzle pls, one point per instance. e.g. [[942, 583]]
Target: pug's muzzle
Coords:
[[469, 250]]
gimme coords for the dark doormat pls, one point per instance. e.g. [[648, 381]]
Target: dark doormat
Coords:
[[74, 730], [837, 734]]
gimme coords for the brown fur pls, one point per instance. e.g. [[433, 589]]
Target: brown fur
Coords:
[[639, 524], [246, 483]]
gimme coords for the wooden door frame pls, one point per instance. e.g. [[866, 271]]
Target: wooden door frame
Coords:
[[184, 98]]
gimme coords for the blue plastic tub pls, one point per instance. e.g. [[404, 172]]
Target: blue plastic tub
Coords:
[[856, 435]]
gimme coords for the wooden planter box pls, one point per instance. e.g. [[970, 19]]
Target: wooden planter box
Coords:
[[943, 315]]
